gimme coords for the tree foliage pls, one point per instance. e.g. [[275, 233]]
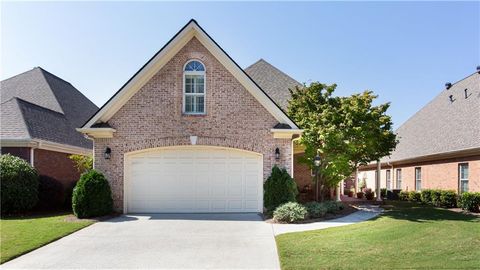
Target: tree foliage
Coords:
[[343, 131], [82, 163]]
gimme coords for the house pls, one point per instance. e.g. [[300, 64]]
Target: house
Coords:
[[193, 132], [39, 114], [439, 146]]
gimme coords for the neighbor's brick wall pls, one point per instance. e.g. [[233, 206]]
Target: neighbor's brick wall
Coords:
[[153, 118], [439, 174], [56, 165], [21, 152]]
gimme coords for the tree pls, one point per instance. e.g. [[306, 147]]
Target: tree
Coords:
[[343, 131], [82, 163]]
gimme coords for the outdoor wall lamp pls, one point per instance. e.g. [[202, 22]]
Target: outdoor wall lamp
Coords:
[[277, 153], [108, 153], [316, 161]]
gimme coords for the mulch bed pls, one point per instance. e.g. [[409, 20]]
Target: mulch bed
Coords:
[[460, 210], [73, 218], [347, 210]]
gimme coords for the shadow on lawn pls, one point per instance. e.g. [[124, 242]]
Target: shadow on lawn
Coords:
[[417, 212]]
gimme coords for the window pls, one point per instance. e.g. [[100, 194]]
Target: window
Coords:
[[463, 177], [194, 88], [418, 178], [388, 176], [399, 178]]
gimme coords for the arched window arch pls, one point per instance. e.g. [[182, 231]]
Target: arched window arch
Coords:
[[194, 87]]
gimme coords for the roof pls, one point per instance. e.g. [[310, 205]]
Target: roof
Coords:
[[273, 81], [190, 30], [39, 105], [443, 126]]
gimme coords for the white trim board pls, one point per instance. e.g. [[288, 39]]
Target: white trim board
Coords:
[[192, 29]]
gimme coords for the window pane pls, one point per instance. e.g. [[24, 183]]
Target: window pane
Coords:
[[199, 104], [194, 66], [463, 186], [199, 84], [189, 104], [464, 171], [188, 84]]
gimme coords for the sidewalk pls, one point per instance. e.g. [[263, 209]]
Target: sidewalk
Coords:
[[364, 213]]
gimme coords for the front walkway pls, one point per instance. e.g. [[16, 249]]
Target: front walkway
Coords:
[[364, 213], [181, 241]]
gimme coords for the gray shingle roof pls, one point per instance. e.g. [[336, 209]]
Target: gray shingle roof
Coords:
[[443, 126], [273, 81], [38, 105]]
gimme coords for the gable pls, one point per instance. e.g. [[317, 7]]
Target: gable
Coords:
[[189, 31]]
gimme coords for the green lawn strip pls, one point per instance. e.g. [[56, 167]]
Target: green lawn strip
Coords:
[[410, 236], [23, 234]]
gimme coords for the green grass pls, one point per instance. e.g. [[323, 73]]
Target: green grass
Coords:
[[20, 235], [410, 236]]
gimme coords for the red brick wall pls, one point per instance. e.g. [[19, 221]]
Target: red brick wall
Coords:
[[301, 172], [438, 174], [21, 152], [56, 165]]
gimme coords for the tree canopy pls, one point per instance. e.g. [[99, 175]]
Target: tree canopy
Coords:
[[344, 131]]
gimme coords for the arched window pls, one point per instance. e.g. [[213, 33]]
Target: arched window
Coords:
[[194, 88]]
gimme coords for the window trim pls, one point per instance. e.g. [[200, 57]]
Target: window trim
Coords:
[[398, 181], [460, 180], [184, 93], [418, 179]]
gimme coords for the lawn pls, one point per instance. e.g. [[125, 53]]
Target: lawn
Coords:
[[22, 234], [410, 236]]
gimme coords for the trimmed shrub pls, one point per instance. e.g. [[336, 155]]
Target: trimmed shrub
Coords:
[[359, 195], [279, 188], [414, 196], [383, 192], [51, 194], [369, 194], [448, 199], [470, 201], [92, 196], [333, 206], [426, 196], [19, 184], [435, 195], [403, 195], [290, 212], [316, 210]]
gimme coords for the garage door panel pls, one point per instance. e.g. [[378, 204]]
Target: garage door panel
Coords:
[[195, 180]]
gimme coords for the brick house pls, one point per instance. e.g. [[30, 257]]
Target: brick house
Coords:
[[193, 132], [39, 114], [439, 146]]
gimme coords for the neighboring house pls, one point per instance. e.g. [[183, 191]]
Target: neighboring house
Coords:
[[193, 132], [39, 114], [439, 146]]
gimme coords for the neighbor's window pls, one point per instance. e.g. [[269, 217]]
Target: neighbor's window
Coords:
[[418, 178], [463, 177], [194, 88], [399, 178], [389, 179]]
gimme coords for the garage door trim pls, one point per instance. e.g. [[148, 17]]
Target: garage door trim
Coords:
[[129, 155]]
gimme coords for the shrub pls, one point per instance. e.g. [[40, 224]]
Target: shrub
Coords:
[[51, 194], [448, 198], [426, 196], [19, 184], [369, 194], [403, 195], [290, 212], [359, 195], [333, 206], [383, 192], [316, 210], [435, 195], [92, 196], [279, 189], [82, 163], [470, 201], [414, 196]]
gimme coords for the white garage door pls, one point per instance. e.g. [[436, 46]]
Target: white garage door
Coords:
[[194, 179]]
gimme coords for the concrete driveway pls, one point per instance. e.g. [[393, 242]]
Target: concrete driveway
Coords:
[[241, 241]]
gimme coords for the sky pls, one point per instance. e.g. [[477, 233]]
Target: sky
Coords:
[[403, 51]]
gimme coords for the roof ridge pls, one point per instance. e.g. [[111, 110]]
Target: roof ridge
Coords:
[[19, 74], [36, 105], [53, 75], [44, 72], [274, 67], [17, 101]]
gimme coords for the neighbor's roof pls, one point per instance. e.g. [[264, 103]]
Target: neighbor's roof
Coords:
[[443, 126], [39, 105], [273, 81]]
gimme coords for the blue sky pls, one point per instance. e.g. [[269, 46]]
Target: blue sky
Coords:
[[404, 52]]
